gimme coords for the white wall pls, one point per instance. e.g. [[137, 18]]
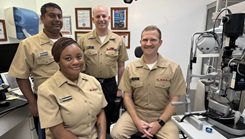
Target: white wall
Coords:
[[178, 20]]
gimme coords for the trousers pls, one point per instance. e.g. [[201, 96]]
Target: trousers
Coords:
[[109, 87]]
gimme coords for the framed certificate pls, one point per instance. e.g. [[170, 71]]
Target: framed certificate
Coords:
[[66, 29], [83, 18], [119, 18], [3, 33], [126, 37]]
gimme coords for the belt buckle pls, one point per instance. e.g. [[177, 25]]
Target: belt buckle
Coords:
[[101, 80]]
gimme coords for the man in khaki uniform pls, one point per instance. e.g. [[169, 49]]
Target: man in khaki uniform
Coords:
[[33, 57], [150, 85], [105, 54]]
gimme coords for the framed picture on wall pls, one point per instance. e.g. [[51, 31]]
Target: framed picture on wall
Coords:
[[126, 37], [83, 18], [78, 34], [66, 29], [119, 18], [3, 33]]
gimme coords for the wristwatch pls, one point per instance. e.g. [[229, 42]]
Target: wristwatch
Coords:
[[161, 122]]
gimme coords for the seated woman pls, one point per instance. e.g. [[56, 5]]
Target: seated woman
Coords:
[[70, 103]]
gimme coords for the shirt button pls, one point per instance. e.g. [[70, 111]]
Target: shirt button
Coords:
[[85, 101]]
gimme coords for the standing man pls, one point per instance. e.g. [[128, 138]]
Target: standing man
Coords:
[[105, 54], [34, 57], [150, 85]]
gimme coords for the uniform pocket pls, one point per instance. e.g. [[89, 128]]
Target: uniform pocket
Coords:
[[90, 52], [136, 84], [162, 88], [90, 56], [162, 84], [111, 57], [45, 60]]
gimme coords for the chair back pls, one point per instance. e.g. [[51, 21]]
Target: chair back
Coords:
[[138, 52]]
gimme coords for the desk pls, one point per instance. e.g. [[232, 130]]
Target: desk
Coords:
[[194, 133], [13, 104], [16, 121]]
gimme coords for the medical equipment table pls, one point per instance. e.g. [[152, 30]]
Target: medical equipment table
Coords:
[[194, 133]]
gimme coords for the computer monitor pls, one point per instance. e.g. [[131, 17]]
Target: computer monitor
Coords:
[[7, 52]]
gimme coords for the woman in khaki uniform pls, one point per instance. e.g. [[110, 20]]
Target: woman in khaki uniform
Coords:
[[150, 85], [71, 104]]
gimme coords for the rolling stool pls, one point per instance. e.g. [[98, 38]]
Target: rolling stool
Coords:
[[138, 136]]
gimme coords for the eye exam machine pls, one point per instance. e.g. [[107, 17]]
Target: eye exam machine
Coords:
[[224, 80], [21, 23]]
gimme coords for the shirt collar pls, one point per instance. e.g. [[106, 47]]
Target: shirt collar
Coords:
[[44, 39], [161, 62], [60, 79], [94, 35]]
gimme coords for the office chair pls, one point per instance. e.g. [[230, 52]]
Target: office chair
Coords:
[[138, 51]]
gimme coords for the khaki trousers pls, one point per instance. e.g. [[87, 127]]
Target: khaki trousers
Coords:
[[125, 127]]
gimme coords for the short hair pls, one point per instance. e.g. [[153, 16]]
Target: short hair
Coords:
[[50, 4], [60, 45], [151, 28]]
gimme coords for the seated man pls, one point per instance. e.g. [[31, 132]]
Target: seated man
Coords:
[[150, 85]]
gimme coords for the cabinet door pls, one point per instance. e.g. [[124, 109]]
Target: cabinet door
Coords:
[[20, 131]]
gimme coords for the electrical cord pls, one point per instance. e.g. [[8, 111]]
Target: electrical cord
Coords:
[[222, 36], [229, 11], [191, 114], [215, 36], [183, 134], [238, 64]]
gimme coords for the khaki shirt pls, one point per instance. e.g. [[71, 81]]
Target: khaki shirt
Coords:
[[74, 105], [34, 57], [102, 58], [152, 89]]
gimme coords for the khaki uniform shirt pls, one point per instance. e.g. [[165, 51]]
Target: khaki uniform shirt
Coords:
[[152, 89], [74, 105], [34, 57], [101, 58]]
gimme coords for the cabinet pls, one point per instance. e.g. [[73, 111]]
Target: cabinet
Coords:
[[17, 124]]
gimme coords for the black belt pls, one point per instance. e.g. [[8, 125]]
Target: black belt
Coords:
[[106, 80]]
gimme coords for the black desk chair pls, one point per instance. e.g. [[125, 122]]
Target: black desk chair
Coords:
[[138, 51], [138, 136]]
